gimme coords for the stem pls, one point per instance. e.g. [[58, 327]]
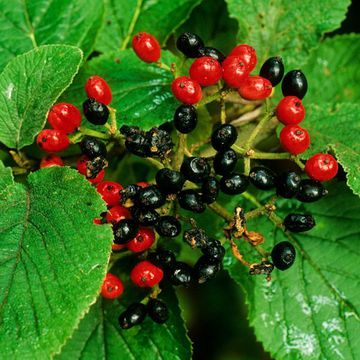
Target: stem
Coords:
[[213, 97], [247, 166], [113, 123], [132, 24], [179, 155], [269, 156], [298, 162], [94, 133], [218, 209], [162, 65], [155, 162]]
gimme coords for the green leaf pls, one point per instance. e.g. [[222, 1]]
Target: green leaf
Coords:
[[29, 85], [285, 27], [141, 92], [310, 311], [125, 18], [99, 333], [6, 177], [25, 25], [53, 260]]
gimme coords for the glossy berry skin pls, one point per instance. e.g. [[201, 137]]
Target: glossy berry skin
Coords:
[[223, 137], [310, 191], [50, 161], [82, 168], [205, 270], [109, 191], [234, 184], [168, 226], [290, 110], [195, 169], [294, 84], [299, 222], [95, 112], [169, 181], [190, 44], [234, 71], [206, 71], [225, 162], [247, 54], [64, 117], [321, 167], [210, 190], [97, 88], [151, 197], [191, 200], [158, 311], [283, 255], [213, 53], [134, 315], [117, 213], [143, 240], [255, 88], [185, 119], [162, 258], [180, 273], [262, 177], [145, 274], [214, 251], [288, 184], [51, 140], [125, 230], [92, 147], [186, 90], [273, 70], [112, 287], [146, 47], [294, 139], [145, 217]]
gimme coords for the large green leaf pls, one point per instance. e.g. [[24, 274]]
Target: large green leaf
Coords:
[[285, 27], [29, 85], [53, 259], [310, 311], [25, 25]]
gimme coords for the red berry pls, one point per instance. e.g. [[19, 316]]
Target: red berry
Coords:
[[321, 167], [52, 140], [97, 221], [118, 247], [143, 184], [112, 287], [294, 139], [51, 160], [247, 54], [145, 274], [97, 88], [234, 71], [206, 71], [290, 110], [186, 90], [82, 169], [117, 213], [109, 191], [142, 241], [255, 88], [65, 117], [146, 47]]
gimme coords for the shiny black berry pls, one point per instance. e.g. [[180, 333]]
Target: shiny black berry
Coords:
[[92, 147], [234, 183], [299, 222], [213, 53], [262, 177], [95, 112], [191, 200], [283, 255], [205, 270], [225, 162], [158, 311], [189, 44], [310, 191], [169, 181], [145, 217], [133, 315], [273, 70], [214, 251], [196, 237], [125, 230], [151, 197], [180, 273], [162, 258], [294, 84], [136, 141], [210, 190], [223, 137], [195, 169], [288, 184], [168, 226], [185, 118]]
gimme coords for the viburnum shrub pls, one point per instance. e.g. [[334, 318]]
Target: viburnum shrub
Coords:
[[169, 164]]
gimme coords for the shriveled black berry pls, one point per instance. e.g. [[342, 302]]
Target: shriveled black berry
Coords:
[[151, 197], [288, 184], [145, 217], [214, 251], [136, 141], [92, 147], [191, 200], [125, 230], [234, 183], [185, 119], [180, 273], [273, 70], [205, 270], [95, 112], [210, 190], [213, 53], [195, 169], [225, 161], [262, 177], [158, 311], [283, 255], [129, 192], [294, 84], [223, 137], [189, 44], [299, 222], [196, 237], [310, 191], [168, 226], [169, 181], [160, 142], [133, 315], [162, 258], [94, 166]]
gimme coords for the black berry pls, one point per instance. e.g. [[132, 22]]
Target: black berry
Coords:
[[133, 315], [160, 142], [151, 197], [213, 53], [185, 119], [136, 141], [169, 181], [196, 237], [214, 251], [145, 217], [95, 112], [168, 226], [210, 190], [191, 200], [283, 255], [310, 191], [129, 192], [299, 222], [205, 270], [234, 183], [189, 44], [223, 137], [273, 70], [195, 169], [288, 184], [125, 230], [162, 258], [92, 147], [225, 162], [158, 311], [262, 177], [294, 84], [180, 273]]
